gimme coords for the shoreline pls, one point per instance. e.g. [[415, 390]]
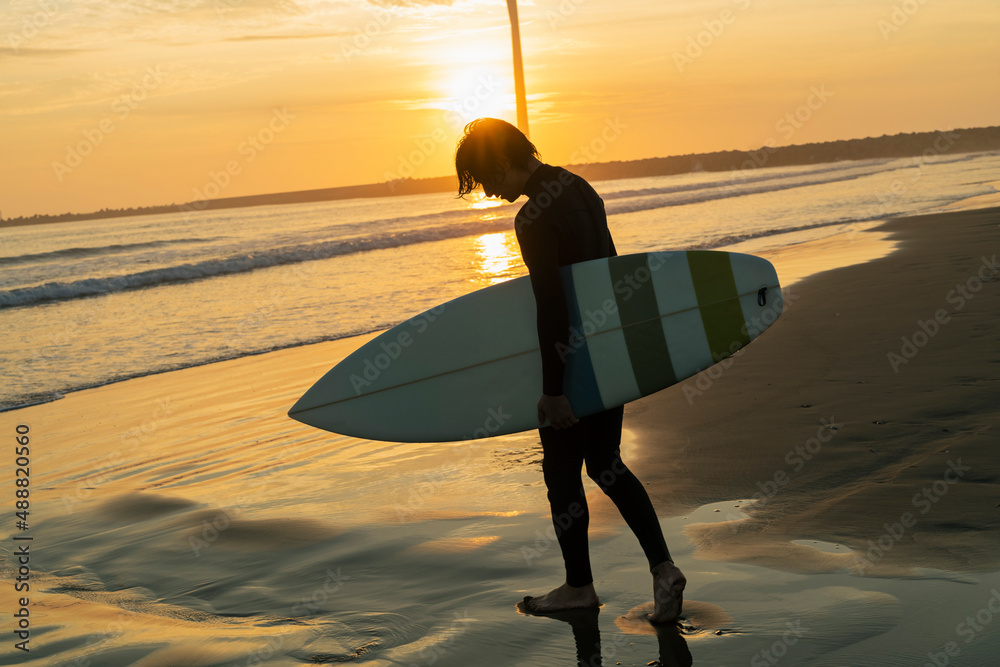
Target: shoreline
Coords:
[[794, 262]]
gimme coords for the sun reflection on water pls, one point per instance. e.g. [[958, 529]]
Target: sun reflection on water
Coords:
[[481, 201], [497, 258]]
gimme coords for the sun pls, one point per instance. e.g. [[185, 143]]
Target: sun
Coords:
[[479, 91]]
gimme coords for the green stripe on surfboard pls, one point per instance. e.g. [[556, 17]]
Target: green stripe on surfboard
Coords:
[[719, 302], [640, 318]]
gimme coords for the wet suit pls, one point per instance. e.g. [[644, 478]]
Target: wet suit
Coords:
[[563, 222]]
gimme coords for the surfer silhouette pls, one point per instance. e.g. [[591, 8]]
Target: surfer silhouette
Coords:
[[564, 222]]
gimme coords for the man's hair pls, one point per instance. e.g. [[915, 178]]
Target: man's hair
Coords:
[[486, 142]]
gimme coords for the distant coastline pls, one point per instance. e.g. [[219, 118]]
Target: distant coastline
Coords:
[[915, 144]]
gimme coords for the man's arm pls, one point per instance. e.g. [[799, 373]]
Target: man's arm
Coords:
[[539, 249]]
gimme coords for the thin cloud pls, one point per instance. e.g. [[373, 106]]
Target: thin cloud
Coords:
[[254, 38], [413, 3], [9, 52]]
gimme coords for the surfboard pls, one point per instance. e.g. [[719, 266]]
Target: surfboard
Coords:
[[471, 368]]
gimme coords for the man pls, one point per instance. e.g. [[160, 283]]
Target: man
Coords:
[[562, 223]]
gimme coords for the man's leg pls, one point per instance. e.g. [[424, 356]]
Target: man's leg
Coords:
[[561, 467], [562, 463], [606, 468]]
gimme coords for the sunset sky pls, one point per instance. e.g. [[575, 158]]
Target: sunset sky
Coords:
[[142, 102]]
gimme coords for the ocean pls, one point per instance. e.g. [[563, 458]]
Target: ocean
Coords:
[[92, 302]]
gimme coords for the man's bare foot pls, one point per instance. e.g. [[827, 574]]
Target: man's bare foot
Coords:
[[668, 592], [563, 598]]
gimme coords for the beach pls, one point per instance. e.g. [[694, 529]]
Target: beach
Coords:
[[830, 493]]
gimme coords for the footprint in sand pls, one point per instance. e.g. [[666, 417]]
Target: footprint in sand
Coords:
[[698, 620]]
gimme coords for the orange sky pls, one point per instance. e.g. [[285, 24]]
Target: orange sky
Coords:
[[142, 102]]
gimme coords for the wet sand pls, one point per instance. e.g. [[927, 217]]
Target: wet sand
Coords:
[[183, 519]]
